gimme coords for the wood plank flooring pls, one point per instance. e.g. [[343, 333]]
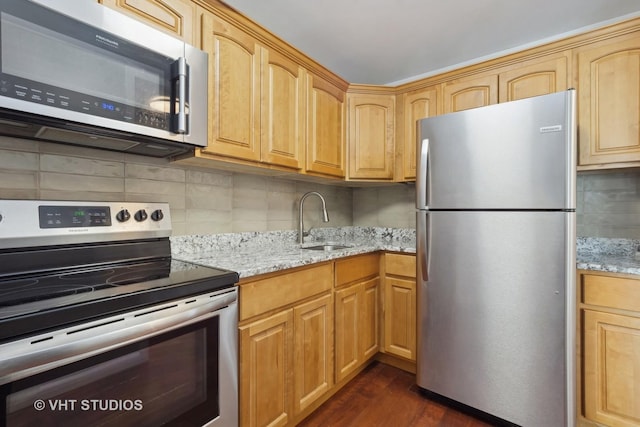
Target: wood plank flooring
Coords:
[[382, 395]]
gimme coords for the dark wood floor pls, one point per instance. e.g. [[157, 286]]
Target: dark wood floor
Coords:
[[382, 395]]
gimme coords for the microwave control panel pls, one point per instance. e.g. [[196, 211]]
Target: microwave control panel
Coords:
[[26, 90]]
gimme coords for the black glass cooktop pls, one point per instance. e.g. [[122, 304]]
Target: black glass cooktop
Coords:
[[28, 289], [34, 302]]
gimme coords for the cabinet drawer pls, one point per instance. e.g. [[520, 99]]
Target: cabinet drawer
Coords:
[[615, 292], [400, 265], [263, 295], [357, 268]]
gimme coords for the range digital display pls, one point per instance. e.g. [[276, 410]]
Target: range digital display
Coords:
[[74, 216]]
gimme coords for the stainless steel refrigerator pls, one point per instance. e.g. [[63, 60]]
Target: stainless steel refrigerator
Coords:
[[496, 238]]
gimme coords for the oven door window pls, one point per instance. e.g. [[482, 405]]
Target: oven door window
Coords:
[[171, 379]]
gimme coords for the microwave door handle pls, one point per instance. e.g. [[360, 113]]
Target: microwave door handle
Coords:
[[180, 73]]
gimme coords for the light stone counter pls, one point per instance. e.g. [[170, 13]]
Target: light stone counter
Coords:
[[610, 255], [255, 253]]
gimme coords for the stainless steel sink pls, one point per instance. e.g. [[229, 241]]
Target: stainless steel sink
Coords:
[[327, 247]]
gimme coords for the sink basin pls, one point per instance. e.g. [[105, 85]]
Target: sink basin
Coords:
[[327, 247]]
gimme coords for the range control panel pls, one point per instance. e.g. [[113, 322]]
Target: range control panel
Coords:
[[74, 216], [26, 223]]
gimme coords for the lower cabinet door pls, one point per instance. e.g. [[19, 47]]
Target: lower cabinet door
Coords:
[[400, 317], [370, 319], [313, 354], [266, 368], [348, 355], [611, 369]]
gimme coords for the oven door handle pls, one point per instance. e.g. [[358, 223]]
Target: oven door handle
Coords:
[[29, 356]]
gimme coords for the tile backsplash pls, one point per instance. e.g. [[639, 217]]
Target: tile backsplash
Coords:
[[609, 205], [202, 201], [205, 201]]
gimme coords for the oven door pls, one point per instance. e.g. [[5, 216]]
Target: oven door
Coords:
[[172, 364], [91, 65]]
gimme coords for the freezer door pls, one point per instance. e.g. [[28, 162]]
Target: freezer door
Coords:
[[516, 155], [496, 316]]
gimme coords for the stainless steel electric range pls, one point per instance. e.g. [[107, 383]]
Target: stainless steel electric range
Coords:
[[99, 325]]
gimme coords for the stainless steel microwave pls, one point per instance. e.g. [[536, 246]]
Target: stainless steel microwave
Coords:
[[80, 73]]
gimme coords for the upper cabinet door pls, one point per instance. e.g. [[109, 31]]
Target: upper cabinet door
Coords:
[[371, 136], [609, 101], [282, 111], [234, 89], [534, 78], [418, 105], [325, 128], [175, 17], [470, 92]]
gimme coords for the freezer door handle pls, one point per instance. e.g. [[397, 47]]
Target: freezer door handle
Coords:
[[423, 243], [422, 174]]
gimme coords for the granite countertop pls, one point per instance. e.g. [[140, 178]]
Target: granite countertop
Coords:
[[255, 253], [610, 255]]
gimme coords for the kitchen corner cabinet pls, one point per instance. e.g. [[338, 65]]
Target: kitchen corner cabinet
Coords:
[[256, 98], [326, 110], [356, 312], [175, 17], [371, 136], [470, 92], [286, 344], [537, 77], [610, 318], [418, 104], [609, 100], [400, 305]]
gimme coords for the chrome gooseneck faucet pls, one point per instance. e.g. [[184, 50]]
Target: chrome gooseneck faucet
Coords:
[[325, 215]]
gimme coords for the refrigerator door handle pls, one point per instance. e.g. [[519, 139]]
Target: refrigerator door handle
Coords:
[[422, 174], [423, 243]]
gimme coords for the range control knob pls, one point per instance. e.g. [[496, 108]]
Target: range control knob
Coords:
[[123, 215], [157, 215], [141, 215]]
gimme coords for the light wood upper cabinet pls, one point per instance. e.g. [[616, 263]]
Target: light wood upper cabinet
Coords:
[[175, 17], [418, 104], [283, 109], [534, 78], [256, 98], [470, 92], [234, 89], [325, 128], [371, 136], [609, 101]]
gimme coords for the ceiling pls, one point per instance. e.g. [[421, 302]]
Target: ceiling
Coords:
[[391, 41]]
